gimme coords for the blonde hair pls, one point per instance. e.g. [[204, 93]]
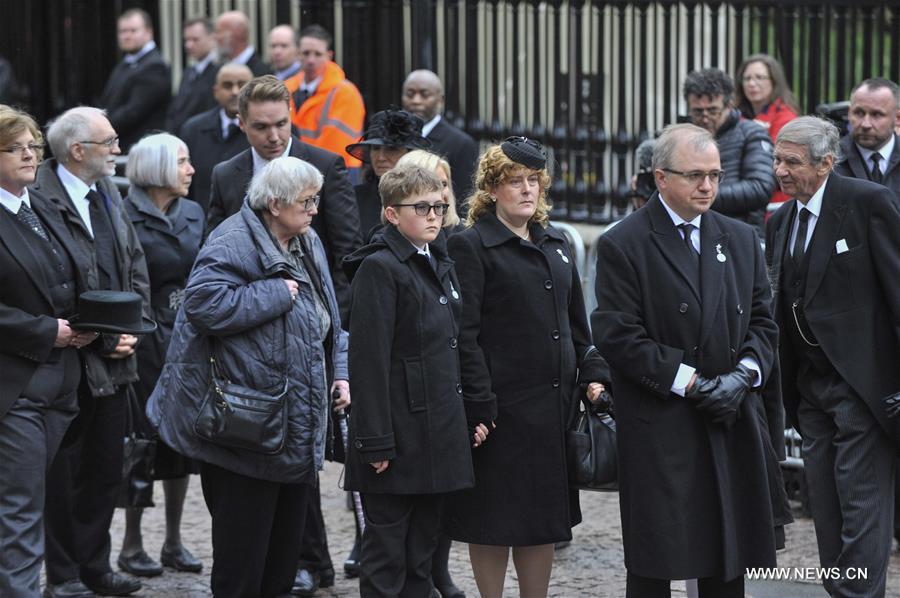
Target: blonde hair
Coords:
[[432, 162], [495, 168], [14, 122]]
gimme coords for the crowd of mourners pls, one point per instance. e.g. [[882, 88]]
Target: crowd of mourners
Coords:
[[280, 286]]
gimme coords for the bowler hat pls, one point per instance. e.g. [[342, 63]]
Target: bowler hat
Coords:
[[111, 311], [396, 128]]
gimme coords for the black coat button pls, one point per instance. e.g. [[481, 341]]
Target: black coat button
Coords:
[[683, 308], [556, 383], [453, 343], [548, 284], [358, 444], [443, 300], [459, 389], [555, 335]]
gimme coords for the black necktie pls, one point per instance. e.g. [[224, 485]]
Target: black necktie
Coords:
[[876, 175], [233, 130], [30, 219], [300, 96], [800, 240], [686, 229]]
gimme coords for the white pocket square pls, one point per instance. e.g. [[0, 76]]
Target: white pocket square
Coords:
[[841, 246]]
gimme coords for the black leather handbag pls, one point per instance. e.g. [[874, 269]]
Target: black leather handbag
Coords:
[[139, 457], [591, 452], [240, 417]]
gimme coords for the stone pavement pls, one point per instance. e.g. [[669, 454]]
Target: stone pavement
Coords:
[[591, 566]]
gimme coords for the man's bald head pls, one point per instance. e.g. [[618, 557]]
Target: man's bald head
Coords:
[[423, 94], [232, 33], [283, 46], [229, 81]]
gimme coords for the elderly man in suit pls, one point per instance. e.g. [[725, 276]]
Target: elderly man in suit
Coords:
[[215, 135], [265, 118], [423, 95], [872, 149], [232, 33], [683, 318], [834, 262], [83, 482], [138, 90], [195, 92]]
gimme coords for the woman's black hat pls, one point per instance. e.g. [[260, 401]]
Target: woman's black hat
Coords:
[[396, 128], [524, 151], [119, 312]]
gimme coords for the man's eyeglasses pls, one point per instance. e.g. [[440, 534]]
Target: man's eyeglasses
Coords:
[[108, 142], [311, 202], [712, 111], [34, 148], [695, 177], [423, 208]]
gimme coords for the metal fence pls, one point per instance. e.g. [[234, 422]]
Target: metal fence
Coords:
[[590, 79]]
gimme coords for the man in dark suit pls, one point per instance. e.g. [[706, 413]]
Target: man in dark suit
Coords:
[[423, 95], [834, 262], [215, 136], [264, 114], [83, 482], [232, 33], [194, 94], [138, 90], [872, 149], [683, 318]]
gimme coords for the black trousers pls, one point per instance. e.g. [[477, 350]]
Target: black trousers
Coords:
[[707, 587], [82, 488], [314, 554], [256, 531], [400, 538]]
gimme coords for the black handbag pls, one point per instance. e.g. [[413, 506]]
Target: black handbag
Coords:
[[139, 455], [236, 416], [591, 452]]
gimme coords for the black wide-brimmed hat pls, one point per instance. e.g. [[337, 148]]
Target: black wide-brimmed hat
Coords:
[[396, 128], [111, 311], [525, 151]]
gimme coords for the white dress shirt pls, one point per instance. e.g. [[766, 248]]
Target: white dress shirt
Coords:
[[885, 150], [814, 205], [428, 127], [259, 162], [77, 190]]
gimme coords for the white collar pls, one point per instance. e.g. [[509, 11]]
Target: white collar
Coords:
[[885, 150], [202, 64], [133, 58], [259, 162], [678, 220], [430, 125], [244, 56], [13, 203], [814, 204], [75, 187], [225, 122], [311, 86], [291, 70]]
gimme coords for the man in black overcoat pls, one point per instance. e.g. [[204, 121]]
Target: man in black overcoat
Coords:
[[834, 262], [264, 112], [215, 136], [195, 91], [683, 318], [137, 93]]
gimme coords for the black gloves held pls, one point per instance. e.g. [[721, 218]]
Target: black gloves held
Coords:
[[721, 397]]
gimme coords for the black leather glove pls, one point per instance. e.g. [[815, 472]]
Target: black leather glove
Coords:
[[722, 396], [892, 405]]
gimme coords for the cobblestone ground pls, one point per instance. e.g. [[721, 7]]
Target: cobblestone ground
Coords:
[[591, 566]]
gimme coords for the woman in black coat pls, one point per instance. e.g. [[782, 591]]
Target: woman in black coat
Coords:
[[523, 337], [170, 229]]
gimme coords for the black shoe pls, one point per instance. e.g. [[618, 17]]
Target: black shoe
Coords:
[[180, 559], [450, 590], [326, 578], [351, 565], [72, 588], [113, 584], [305, 583], [139, 564]]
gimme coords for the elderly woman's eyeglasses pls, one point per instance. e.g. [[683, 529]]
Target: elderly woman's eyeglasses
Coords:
[[423, 208], [695, 177], [34, 148], [108, 142], [310, 202]]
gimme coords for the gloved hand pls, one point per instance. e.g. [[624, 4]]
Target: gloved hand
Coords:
[[722, 396], [892, 405]]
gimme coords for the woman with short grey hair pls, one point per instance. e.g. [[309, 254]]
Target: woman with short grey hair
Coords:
[[260, 305], [170, 229]]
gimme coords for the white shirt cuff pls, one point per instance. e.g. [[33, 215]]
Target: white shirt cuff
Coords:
[[751, 363], [682, 379]]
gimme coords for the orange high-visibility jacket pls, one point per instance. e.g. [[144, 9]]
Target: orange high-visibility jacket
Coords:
[[332, 118]]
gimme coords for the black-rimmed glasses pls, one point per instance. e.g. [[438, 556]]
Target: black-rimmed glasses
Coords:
[[311, 202], [423, 208]]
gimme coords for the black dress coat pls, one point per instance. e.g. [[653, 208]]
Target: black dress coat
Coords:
[[853, 165], [136, 97], [171, 244], [337, 222], [523, 334], [203, 136], [368, 201], [696, 498], [404, 370], [28, 327], [461, 152], [194, 97], [852, 299]]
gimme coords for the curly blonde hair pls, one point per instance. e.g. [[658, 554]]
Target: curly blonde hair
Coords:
[[495, 168]]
